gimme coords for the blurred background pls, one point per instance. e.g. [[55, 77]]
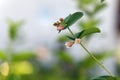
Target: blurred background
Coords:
[[35, 50]]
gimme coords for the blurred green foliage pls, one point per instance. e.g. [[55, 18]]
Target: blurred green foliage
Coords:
[[14, 26], [24, 64], [90, 8], [3, 55]]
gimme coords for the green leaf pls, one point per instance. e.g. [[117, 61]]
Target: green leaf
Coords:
[[72, 18], [71, 38], [3, 55], [89, 24], [63, 23], [67, 18], [14, 28], [23, 56], [64, 56], [22, 68], [99, 7], [13, 77], [62, 38], [107, 78], [86, 32]]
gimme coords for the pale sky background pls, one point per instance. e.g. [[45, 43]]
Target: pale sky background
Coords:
[[39, 16]]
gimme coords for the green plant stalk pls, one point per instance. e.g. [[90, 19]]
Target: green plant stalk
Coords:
[[93, 57], [71, 31], [10, 51], [100, 63]]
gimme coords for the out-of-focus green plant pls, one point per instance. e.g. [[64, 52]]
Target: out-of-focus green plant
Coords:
[[13, 28], [3, 55], [90, 8], [107, 78], [14, 64]]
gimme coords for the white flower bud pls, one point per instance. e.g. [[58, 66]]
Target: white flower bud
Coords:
[[77, 41]]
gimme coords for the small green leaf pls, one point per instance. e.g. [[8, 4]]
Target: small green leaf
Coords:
[[14, 28], [99, 7], [71, 38], [89, 24], [71, 19], [79, 34], [86, 32], [63, 23]]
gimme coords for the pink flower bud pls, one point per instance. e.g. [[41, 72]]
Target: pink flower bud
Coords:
[[60, 27], [77, 41], [69, 44], [61, 19]]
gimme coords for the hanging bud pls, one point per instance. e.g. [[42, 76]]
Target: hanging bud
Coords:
[[77, 41], [60, 27], [61, 19], [69, 44]]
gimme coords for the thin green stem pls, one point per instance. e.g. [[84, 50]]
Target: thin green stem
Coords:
[[10, 51], [92, 56], [100, 63], [71, 31]]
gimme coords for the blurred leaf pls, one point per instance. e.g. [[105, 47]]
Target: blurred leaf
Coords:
[[4, 69], [3, 55], [23, 56], [107, 78], [86, 2], [99, 7], [63, 55], [14, 28], [13, 77], [89, 24], [118, 68], [62, 38], [86, 32], [117, 78], [71, 19], [22, 68], [102, 0], [89, 62]]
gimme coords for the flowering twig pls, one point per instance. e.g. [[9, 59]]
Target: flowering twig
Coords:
[[63, 24], [92, 56]]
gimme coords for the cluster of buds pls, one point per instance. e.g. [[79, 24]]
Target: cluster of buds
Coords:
[[59, 24], [70, 43]]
